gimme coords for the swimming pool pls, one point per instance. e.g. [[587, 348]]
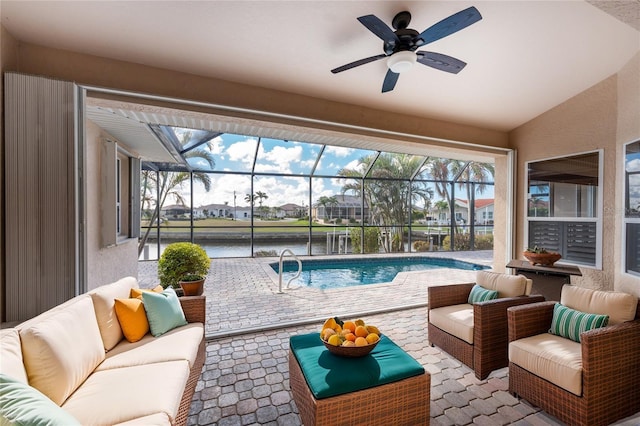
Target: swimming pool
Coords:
[[335, 273]]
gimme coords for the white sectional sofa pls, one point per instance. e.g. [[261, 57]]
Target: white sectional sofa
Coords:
[[76, 355]]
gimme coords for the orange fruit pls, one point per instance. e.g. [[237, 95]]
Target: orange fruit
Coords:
[[361, 341], [361, 331], [329, 323], [349, 325], [372, 338], [373, 329], [350, 337], [359, 322], [348, 344]]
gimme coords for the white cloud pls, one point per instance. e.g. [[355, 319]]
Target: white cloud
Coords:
[[338, 151], [242, 151], [633, 165]]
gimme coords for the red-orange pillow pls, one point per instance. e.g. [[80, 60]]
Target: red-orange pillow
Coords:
[[132, 318], [137, 292]]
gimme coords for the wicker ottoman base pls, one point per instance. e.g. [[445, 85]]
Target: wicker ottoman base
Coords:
[[405, 402]]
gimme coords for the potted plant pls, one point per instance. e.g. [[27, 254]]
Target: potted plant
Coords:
[[540, 256], [184, 265]]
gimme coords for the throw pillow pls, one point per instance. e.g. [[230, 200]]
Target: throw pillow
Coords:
[[21, 404], [164, 311], [137, 292], [480, 294], [132, 318], [569, 323]]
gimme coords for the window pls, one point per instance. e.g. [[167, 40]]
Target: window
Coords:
[[563, 205], [632, 208]]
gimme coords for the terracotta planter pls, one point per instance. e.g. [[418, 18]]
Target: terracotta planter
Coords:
[[542, 259], [192, 288]]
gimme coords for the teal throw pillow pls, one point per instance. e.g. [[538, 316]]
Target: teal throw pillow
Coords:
[[569, 323], [21, 404], [481, 294], [164, 311]]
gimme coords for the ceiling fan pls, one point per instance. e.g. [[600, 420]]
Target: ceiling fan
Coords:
[[400, 46]]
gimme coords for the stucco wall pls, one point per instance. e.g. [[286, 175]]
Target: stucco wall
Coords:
[[595, 119], [104, 264]]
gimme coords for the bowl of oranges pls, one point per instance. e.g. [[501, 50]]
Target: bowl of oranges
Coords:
[[350, 339]]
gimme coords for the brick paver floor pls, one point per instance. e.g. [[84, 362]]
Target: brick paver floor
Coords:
[[245, 380]]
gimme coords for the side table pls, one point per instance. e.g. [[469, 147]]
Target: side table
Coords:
[[386, 387]]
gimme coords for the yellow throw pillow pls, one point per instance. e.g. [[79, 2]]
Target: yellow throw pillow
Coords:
[[132, 318], [137, 292]]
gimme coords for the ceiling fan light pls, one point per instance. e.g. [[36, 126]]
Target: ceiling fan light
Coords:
[[401, 61]]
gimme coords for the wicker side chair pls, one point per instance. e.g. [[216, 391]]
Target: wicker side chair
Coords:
[[609, 381], [484, 348]]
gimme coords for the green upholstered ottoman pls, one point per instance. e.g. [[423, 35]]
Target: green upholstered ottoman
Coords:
[[386, 387]]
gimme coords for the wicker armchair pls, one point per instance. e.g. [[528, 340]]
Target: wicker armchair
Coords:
[[609, 383], [486, 349]]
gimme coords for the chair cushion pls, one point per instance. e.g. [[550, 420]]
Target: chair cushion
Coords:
[[103, 301], [11, 355], [137, 292], [505, 285], [620, 307], [164, 311], [158, 419], [570, 323], [62, 348], [480, 294], [551, 357], [21, 404], [136, 392], [456, 320]]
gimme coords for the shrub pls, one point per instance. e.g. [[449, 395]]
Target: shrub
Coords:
[[462, 242], [371, 240], [180, 260], [421, 246]]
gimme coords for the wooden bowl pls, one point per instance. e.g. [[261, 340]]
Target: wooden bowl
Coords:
[[542, 259], [350, 352]]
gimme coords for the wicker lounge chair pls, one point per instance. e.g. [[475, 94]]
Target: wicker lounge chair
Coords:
[[606, 387], [484, 347]]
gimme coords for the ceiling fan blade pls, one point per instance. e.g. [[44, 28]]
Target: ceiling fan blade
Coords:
[[390, 81], [449, 25], [379, 28], [358, 63], [441, 62]]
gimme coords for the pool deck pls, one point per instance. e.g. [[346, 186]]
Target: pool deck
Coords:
[[245, 379]]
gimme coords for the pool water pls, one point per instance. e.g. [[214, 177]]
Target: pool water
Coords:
[[336, 273]]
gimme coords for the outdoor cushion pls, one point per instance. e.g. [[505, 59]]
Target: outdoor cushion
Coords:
[[158, 419], [103, 301], [137, 292], [62, 349], [456, 320], [620, 307], [121, 394], [178, 344], [569, 323], [480, 294], [132, 318], [21, 404], [164, 311], [506, 285], [11, 355], [551, 357], [329, 375]]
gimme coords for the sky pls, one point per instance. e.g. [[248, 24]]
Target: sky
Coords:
[[632, 164], [235, 153]]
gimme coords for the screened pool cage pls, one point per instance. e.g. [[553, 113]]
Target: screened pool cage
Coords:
[[244, 196]]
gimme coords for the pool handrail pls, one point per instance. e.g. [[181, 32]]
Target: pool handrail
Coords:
[[280, 269]]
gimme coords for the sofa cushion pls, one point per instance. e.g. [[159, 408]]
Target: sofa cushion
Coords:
[[505, 285], [456, 320], [178, 344], [158, 419], [551, 357], [569, 323], [21, 404], [132, 318], [103, 300], [11, 355], [620, 307], [164, 311], [62, 348], [137, 292], [123, 394], [480, 294]]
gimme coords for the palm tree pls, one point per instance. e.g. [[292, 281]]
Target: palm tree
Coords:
[[389, 191], [168, 184], [249, 198], [261, 196]]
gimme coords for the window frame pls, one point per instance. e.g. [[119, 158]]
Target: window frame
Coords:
[[597, 219], [626, 219]]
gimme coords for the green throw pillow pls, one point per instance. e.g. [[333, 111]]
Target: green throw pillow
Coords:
[[480, 294], [21, 404], [569, 323], [164, 311]]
